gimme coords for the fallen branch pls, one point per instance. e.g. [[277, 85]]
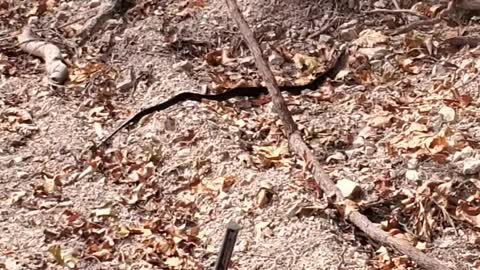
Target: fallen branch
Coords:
[[54, 65], [409, 27], [298, 145]]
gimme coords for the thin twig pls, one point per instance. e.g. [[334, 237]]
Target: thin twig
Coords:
[[342, 258], [396, 11], [395, 3], [410, 27]]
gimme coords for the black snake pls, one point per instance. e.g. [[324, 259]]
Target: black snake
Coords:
[[330, 72]]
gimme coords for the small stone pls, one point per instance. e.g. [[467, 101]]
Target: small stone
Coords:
[[94, 3], [12, 264], [465, 153], [224, 156], [412, 175], [370, 150], [412, 164], [349, 188], [348, 24], [170, 124], [447, 113], [379, 4], [348, 34], [358, 142], [375, 53], [294, 209], [64, 6], [22, 175], [125, 85], [336, 157], [471, 166], [184, 153], [353, 153], [32, 20], [275, 59], [242, 246], [325, 38], [62, 16], [226, 204]]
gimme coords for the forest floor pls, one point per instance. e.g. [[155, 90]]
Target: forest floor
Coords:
[[401, 120]]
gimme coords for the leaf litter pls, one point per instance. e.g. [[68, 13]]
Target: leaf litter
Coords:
[[164, 206]]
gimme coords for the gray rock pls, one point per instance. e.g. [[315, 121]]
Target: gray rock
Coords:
[[348, 34], [349, 188], [471, 166], [325, 38]]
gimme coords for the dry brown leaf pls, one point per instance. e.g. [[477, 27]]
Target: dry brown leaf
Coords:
[[188, 7], [221, 183], [416, 127], [103, 212], [369, 38], [468, 213], [268, 156], [52, 184], [308, 66], [264, 195], [348, 206], [408, 64], [103, 254], [61, 257], [380, 121], [83, 72], [219, 57], [413, 41]]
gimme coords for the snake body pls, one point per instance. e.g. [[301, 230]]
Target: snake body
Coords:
[[331, 72]]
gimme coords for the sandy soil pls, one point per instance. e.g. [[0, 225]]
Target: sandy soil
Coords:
[[162, 193]]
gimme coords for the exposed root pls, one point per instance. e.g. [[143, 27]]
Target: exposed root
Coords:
[[56, 69]]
